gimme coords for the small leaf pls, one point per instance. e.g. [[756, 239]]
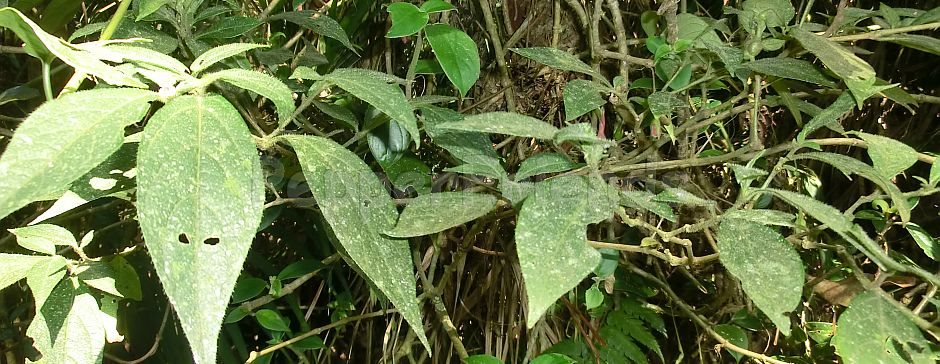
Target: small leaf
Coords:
[[271, 320], [147, 7], [436, 6], [794, 69], [581, 97], [857, 73], [299, 269], [358, 208], [744, 174], [373, 88], [769, 268], [556, 58], [829, 117], [889, 157], [542, 163], [483, 359], [310, 343], [248, 288], [924, 240], [682, 197], [485, 170], [200, 199], [261, 84], [763, 216], [319, 23], [772, 13], [872, 330], [501, 122], [593, 298], [230, 27], [115, 277], [435, 212], [67, 137], [551, 238], [408, 171], [214, 55], [457, 54], [43, 238], [934, 177], [734, 335], [645, 201], [407, 19], [578, 133], [664, 103]]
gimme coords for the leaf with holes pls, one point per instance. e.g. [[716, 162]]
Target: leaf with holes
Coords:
[[358, 208], [872, 330], [551, 237], [200, 199], [501, 122], [373, 88], [769, 268], [63, 139], [457, 54], [582, 97], [436, 212]]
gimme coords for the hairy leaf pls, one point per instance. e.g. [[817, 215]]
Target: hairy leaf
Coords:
[[261, 84], [501, 122], [214, 55], [858, 74], [541, 163], [43, 238], [319, 23], [16, 267], [359, 209], [762, 216], [468, 147], [373, 88], [830, 116], [556, 58], [820, 211], [457, 54], [872, 330], [645, 201], [581, 97], [794, 69], [773, 13], [66, 137], [769, 268], [200, 197], [435, 212], [230, 27], [889, 157]]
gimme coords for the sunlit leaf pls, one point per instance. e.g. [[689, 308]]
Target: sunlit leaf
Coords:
[[889, 156], [220, 53], [261, 84], [66, 328], [229, 27], [43, 238]]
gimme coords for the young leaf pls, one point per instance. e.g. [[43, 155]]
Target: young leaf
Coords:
[[407, 19], [551, 237], [457, 54], [541, 163], [261, 84], [373, 88], [214, 55], [435, 212], [556, 58], [200, 199], [872, 330], [581, 97], [67, 137], [889, 156], [43, 238], [858, 74], [230, 27], [769, 268], [319, 23], [358, 208], [501, 122], [67, 328], [794, 69]]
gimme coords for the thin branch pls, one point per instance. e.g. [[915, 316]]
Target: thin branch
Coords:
[[885, 32], [153, 348], [290, 287], [500, 54]]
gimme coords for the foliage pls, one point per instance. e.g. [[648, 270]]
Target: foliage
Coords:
[[313, 181]]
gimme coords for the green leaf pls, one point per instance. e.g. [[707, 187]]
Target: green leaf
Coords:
[[408, 171], [501, 122], [214, 55], [160, 41], [772, 13], [872, 330], [645, 201], [436, 6], [67, 328], [299, 269], [406, 18], [826, 214], [310, 343], [551, 237], [483, 359], [147, 7], [17, 93], [468, 147], [486, 170], [200, 198], [744, 174], [146, 58], [919, 42], [664, 103], [67, 137], [373, 88], [762, 216], [43, 238], [552, 358], [44, 276], [830, 116], [934, 177], [247, 288], [457, 54], [578, 133], [17, 267], [436, 212], [769, 268], [858, 74], [557, 58], [593, 298], [682, 197], [271, 320], [581, 97], [230, 27], [346, 117], [116, 277], [734, 335], [261, 84], [358, 208], [794, 69], [428, 67], [695, 28], [889, 157], [319, 23], [924, 240], [542, 163]]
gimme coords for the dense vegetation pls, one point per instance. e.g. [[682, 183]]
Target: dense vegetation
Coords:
[[567, 181]]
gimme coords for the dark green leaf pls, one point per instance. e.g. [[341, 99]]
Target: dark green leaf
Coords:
[[373, 88], [772, 13], [924, 240], [644, 201], [299, 269], [856, 73], [556, 58], [67, 328], [457, 54], [247, 288], [310, 343], [468, 147], [230, 27], [794, 69], [734, 335], [830, 116], [483, 359], [271, 320], [915, 41], [319, 23], [147, 7], [552, 358]]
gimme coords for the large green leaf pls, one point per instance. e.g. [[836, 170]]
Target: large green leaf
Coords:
[[872, 330], [219, 53], [858, 75], [67, 328], [549, 162], [16, 267], [794, 69], [551, 237], [319, 23], [374, 89], [501, 122], [406, 19], [261, 84], [769, 268], [147, 7], [556, 58], [581, 97], [435, 212], [63, 139], [359, 209], [889, 156], [200, 197], [457, 54]]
